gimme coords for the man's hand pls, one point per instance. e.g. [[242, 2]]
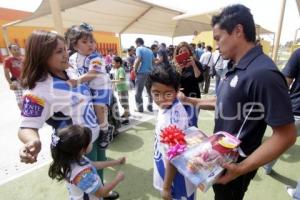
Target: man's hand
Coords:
[[29, 152], [181, 96], [233, 170]]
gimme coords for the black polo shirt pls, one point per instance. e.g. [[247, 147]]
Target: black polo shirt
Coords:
[[292, 70], [253, 94]]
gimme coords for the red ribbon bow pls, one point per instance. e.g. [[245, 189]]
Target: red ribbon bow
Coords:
[[172, 135]]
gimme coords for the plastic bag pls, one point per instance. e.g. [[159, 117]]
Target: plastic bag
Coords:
[[201, 163]]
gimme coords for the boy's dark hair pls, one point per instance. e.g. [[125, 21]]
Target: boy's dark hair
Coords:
[[72, 140], [118, 59], [139, 41], [75, 33], [166, 76], [234, 15]]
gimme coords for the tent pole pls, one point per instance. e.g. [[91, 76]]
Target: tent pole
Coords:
[[295, 38], [273, 43], [5, 37], [56, 14], [278, 32], [120, 42]]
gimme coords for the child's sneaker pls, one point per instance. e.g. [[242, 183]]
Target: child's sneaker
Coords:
[[112, 196], [290, 190], [125, 122], [104, 139]]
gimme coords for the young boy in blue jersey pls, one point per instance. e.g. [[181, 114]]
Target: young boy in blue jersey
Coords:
[[164, 85]]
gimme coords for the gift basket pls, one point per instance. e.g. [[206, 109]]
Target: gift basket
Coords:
[[198, 157], [177, 141]]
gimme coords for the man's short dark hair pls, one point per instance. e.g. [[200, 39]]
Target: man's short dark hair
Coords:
[[164, 45], [234, 15], [153, 46], [193, 45], [139, 41], [209, 48], [118, 59], [166, 76]]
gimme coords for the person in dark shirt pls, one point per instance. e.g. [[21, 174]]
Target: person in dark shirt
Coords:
[[162, 56], [253, 94], [191, 75]]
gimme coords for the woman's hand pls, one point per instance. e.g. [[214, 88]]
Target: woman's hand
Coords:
[[72, 82], [166, 194], [29, 152], [190, 62]]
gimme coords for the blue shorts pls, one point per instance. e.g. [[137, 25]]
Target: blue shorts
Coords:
[[102, 96]]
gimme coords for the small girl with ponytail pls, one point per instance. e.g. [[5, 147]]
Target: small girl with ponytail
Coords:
[[68, 148]]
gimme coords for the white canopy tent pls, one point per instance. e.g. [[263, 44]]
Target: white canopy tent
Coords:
[[117, 16], [206, 19]]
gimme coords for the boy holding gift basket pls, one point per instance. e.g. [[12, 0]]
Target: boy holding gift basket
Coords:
[[164, 86]]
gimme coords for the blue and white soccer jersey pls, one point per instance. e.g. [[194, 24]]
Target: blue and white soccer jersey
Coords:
[[84, 181], [182, 188], [101, 86], [54, 97]]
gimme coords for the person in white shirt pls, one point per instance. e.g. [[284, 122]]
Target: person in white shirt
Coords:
[[219, 68], [207, 62]]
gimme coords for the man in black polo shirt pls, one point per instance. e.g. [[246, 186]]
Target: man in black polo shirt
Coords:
[[253, 94]]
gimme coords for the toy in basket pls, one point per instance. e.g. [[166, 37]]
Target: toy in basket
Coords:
[[201, 162]]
